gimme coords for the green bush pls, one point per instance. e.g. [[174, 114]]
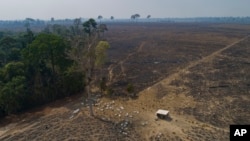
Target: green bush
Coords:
[[130, 88]]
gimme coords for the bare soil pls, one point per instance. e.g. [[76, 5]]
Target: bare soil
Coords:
[[199, 72]]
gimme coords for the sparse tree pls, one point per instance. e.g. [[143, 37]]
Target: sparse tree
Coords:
[[132, 17], [102, 28], [112, 18], [100, 18], [76, 30], [88, 52], [148, 17], [52, 19], [135, 16], [28, 21]]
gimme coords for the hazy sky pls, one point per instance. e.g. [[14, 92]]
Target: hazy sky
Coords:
[[61, 9]]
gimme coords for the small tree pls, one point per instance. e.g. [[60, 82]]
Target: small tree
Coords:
[[103, 85], [131, 89], [112, 18]]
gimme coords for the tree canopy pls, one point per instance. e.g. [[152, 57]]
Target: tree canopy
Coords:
[[36, 68]]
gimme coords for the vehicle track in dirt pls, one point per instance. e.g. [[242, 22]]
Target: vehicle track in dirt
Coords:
[[112, 77]]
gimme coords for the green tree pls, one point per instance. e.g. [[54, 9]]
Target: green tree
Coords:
[[12, 87], [27, 38], [100, 53], [131, 89], [12, 94], [12, 70], [90, 27], [48, 49], [6, 44], [46, 62]]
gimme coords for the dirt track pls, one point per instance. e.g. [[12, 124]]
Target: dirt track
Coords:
[[112, 77]]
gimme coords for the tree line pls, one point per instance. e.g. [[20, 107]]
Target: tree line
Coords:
[[59, 61]]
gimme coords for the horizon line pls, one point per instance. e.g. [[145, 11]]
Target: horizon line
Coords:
[[127, 18]]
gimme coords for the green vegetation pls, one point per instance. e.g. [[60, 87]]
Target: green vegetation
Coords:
[[42, 67], [131, 89]]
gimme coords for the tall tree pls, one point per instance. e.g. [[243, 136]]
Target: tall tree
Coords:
[[88, 52], [100, 18], [28, 22], [148, 17], [102, 28], [76, 26], [137, 16], [132, 17], [112, 18], [52, 19]]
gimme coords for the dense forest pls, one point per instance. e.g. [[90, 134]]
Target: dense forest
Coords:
[[40, 67]]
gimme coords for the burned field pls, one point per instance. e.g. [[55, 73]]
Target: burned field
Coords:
[[207, 62], [221, 86], [143, 54]]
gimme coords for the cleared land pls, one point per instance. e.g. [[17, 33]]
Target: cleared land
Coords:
[[199, 72]]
